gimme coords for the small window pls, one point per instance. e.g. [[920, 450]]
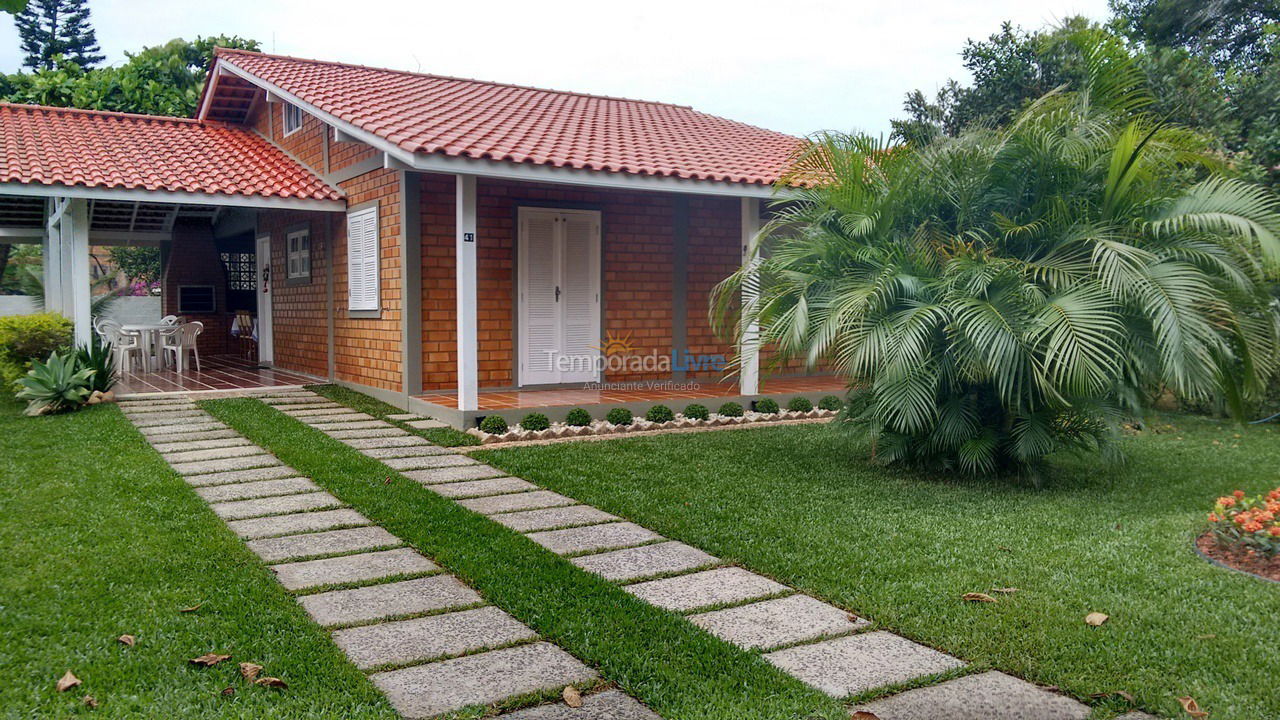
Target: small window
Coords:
[[298, 245], [292, 118], [242, 270], [362, 260]]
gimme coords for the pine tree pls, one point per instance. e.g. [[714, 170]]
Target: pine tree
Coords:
[[57, 27]]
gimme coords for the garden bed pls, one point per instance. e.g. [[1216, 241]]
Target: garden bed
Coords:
[[1245, 561], [562, 431]]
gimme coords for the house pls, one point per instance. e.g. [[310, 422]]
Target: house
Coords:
[[452, 246]]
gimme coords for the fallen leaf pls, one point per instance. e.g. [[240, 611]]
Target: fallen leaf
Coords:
[[90, 701], [209, 659], [126, 640], [1096, 618], [228, 691], [1191, 707], [387, 481], [864, 715], [1005, 591], [249, 670], [571, 696], [977, 597], [274, 682], [67, 682], [193, 608]]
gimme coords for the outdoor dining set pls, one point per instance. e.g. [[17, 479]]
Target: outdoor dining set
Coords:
[[166, 343]]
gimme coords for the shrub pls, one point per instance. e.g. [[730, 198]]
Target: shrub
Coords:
[[24, 338], [578, 417], [831, 402], [1248, 523], [800, 403], [620, 416], [97, 356], [730, 409], [697, 412], [768, 406], [55, 385], [659, 414], [493, 424], [535, 421]]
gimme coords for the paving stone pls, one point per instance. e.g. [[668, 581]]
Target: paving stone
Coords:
[[425, 462], [231, 451], [324, 421], [129, 403], [363, 424], [783, 621], [709, 587], [557, 517], [317, 412], [517, 501], [352, 568], [1136, 715], [479, 488], [988, 696], [179, 417], [275, 505], [593, 537], [857, 663], [430, 637], [166, 438], [386, 442], [607, 705], [438, 592], [322, 543], [632, 563], [405, 451], [427, 690], [427, 424], [203, 467], [236, 476], [454, 474], [404, 416], [296, 523], [182, 446], [179, 429], [291, 399], [389, 431], [247, 491]]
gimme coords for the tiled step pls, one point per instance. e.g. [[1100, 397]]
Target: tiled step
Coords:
[[404, 451], [238, 476], [772, 623], [248, 491], [322, 543], [186, 445], [557, 517], [857, 663], [204, 467], [436, 476], [296, 523], [481, 488], [163, 431], [634, 563], [706, 588], [342, 607], [425, 462], [217, 453], [424, 691], [386, 442], [352, 568], [219, 433], [434, 636], [535, 500], [988, 696], [591, 538], [363, 423], [277, 505], [366, 434]]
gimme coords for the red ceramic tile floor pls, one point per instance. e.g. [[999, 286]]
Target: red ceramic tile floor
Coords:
[[684, 391], [216, 373]]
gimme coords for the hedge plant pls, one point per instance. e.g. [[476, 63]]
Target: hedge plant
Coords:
[[620, 416], [578, 417], [730, 409], [493, 424], [535, 421], [831, 402], [800, 403], [697, 412], [659, 414], [768, 406]]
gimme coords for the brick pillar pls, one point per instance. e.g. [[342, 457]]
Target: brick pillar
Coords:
[[193, 259]]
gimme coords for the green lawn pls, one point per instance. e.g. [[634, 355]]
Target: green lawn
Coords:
[[446, 436], [98, 538], [680, 671], [802, 504]]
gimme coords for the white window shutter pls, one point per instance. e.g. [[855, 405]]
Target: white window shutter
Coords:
[[362, 259]]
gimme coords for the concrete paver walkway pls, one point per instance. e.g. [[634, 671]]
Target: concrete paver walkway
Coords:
[[432, 643], [822, 645]]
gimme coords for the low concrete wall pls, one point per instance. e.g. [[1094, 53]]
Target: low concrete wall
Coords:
[[124, 310], [16, 305]]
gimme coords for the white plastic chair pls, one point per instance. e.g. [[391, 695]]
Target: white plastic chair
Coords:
[[170, 320], [123, 344], [180, 341]]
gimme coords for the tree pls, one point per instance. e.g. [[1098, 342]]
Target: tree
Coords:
[[139, 264], [1230, 34], [49, 28], [1014, 291]]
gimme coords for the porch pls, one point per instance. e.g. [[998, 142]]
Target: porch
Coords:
[[219, 373]]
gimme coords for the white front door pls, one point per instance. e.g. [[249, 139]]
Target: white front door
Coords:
[[266, 284], [559, 288]]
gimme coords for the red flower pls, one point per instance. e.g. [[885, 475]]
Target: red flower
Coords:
[[1227, 502], [1213, 517], [1239, 494], [1275, 531], [1252, 526]]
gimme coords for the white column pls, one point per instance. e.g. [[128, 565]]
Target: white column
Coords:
[[749, 350], [468, 342], [51, 251], [75, 254]]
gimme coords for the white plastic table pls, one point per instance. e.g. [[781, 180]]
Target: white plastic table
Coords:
[[150, 339]]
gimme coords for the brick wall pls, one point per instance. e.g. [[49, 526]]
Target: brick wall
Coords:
[[299, 308], [193, 259], [308, 143]]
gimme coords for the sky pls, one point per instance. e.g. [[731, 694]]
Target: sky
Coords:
[[797, 66]]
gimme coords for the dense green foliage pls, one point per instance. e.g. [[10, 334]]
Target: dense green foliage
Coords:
[[578, 417], [98, 357], [659, 414], [1012, 291], [730, 409], [161, 80], [619, 416], [25, 338], [800, 504], [799, 403], [139, 264], [831, 402], [55, 385], [535, 421], [697, 412], [50, 29], [493, 424], [768, 406]]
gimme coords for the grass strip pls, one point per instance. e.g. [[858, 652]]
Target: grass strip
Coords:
[[358, 401], [678, 670], [99, 539]]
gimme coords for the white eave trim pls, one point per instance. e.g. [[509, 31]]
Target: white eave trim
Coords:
[[499, 169], [174, 198]]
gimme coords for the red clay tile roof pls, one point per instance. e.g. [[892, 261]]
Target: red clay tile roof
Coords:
[[90, 148], [455, 117]]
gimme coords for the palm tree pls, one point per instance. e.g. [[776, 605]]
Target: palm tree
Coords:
[[998, 296]]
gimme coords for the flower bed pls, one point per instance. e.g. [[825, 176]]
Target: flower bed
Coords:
[[1244, 533], [678, 422]]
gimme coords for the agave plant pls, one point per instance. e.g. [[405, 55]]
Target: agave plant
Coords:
[[55, 385], [98, 357], [999, 296]]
